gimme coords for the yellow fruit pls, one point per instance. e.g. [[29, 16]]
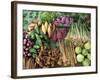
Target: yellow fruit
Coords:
[[46, 25], [43, 29], [49, 30]]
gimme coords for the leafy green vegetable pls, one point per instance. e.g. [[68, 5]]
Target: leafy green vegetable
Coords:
[[37, 30], [52, 44], [34, 55], [32, 35], [41, 36], [38, 39], [47, 16], [36, 46], [32, 50]]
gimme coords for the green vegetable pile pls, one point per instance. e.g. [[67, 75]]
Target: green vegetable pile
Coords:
[[84, 54]]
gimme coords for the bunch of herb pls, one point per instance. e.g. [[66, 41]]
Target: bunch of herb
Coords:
[[47, 16], [28, 16]]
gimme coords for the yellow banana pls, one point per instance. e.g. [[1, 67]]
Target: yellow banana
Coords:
[[43, 29], [46, 25], [49, 30]]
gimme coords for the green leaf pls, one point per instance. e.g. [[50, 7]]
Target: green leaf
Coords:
[[47, 16], [36, 42], [32, 50], [37, 30], [34, 55], [41, 36], [52, 44], [36, 46], [45, 37], [32, 35], [38, 39]]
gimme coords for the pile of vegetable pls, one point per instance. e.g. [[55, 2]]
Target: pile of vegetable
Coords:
[[55, 39], [84, 54]]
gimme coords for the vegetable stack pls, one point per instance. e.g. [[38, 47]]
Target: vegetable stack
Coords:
[[56, 39]]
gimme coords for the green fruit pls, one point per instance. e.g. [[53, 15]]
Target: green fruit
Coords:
[[89, 56], [86, 62], [87, 45], [78, 50], [80, 57], [84, 52]]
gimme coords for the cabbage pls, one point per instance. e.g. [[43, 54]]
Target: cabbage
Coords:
[[86, 62], [85, 52], [80, 57], [87, 45], [89, 56], [78, 50]]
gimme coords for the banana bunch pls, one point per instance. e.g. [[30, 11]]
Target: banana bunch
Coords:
[[48, 28]]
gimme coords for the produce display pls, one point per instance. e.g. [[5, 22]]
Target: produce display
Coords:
[[56, 39], [84, 54]]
